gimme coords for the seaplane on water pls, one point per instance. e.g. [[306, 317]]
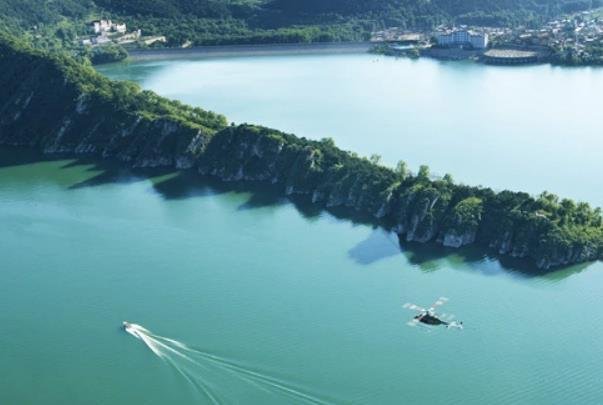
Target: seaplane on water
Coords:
[[428, 316]]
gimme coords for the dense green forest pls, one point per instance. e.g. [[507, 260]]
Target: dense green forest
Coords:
[[52, 24], [53, 103], [60, 85]]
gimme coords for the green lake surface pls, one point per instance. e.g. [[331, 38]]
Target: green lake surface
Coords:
[[307, 301]]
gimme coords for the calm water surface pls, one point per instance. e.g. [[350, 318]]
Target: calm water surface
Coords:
[[311, 301], [530, 128]]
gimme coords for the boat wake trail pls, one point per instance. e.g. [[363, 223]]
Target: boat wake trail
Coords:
[[195, 365]]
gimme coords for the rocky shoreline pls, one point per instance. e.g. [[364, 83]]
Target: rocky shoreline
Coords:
[[57, 106]]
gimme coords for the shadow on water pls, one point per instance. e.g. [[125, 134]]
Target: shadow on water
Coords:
[[20, 157], [380, 244], [110, 175], [186, 184], [430, 257]]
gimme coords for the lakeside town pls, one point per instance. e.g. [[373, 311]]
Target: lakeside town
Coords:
[[573, 40]]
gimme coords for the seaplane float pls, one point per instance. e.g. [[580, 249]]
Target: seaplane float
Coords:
[[429, 316]]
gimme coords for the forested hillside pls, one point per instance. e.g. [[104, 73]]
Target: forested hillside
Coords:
[[423, 12], [27, 13], [261, 21]]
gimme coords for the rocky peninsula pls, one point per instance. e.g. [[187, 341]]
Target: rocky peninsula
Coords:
[[59, 106]]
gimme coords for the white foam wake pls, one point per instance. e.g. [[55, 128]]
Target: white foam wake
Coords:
[[192, 364]]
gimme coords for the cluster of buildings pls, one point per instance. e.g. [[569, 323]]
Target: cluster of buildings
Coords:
[[107, 32], [444, 37], [579, 32], [462, 37], [573, 39]]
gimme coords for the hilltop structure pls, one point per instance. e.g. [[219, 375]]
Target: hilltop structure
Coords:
[[105, 26]]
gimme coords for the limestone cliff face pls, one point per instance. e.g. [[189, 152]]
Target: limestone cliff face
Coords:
[[564, 257], [462, 223], [76, 127], [57, 106], [418, 210], [259, 154]]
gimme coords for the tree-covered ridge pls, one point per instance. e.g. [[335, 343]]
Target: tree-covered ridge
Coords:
[[33, 12], [449, 7], [546, 229], [20, 62], [170, 8], [58, 105]]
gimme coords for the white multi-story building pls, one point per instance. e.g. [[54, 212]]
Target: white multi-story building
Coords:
[[121, 28], [104, 26], [477, 40], [101, 26]]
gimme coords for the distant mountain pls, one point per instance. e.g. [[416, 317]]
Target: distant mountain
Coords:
[[450, 7], [45, 11], [33, 12], [168, 8], [262, 21], [425, 12]]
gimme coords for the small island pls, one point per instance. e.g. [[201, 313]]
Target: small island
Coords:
[[55, 104]]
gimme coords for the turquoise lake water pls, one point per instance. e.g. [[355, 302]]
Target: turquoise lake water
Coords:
[[308, 306], [529, 128]]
